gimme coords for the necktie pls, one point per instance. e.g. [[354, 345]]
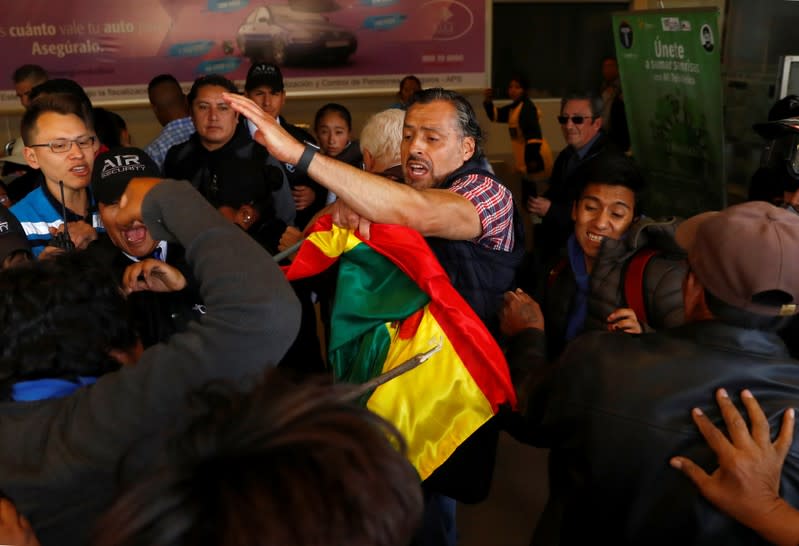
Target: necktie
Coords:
[[157, 253]]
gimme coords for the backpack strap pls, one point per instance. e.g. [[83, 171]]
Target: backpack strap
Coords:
[[556, 270], [634, 283]]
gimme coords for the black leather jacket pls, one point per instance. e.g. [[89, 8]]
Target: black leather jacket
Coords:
[[615, 408], [662, 278]]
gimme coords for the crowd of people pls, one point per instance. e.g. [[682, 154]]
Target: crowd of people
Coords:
[[163, 383]]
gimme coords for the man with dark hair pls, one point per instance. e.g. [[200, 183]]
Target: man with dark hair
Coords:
[[466, 214], [157, 315], [586, 288], [616, 408], [264, 86], [292, 464], [468, 218], [408, 86], [581, 122], [61, 458], [219, 139], [25, 78], [172, 111], [60, 141], [57, 87]]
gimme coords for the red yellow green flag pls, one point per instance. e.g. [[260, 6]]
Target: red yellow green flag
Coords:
[[393, 301]]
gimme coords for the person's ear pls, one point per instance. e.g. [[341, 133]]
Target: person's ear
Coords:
[[246, 216], [574, 211], [368, 160], [30, 157], [694, 299], [468, 145]]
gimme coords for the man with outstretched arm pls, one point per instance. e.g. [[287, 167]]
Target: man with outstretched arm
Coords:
[[465, 213], [469, 220]]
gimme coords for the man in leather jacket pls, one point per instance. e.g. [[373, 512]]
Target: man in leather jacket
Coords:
[[586, 287], [615, 408]]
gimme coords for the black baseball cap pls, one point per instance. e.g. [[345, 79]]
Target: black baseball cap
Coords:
[[115, 168], [264, 74]]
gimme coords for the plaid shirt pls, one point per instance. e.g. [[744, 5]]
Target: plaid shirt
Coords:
[[494, 204], [174, 133]]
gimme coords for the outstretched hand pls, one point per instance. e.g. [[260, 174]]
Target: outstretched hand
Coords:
[[746, 484]]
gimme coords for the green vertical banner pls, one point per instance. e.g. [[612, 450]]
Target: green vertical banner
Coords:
[[670, 68]]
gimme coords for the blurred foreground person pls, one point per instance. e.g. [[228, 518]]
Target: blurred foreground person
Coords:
[[286, 464]]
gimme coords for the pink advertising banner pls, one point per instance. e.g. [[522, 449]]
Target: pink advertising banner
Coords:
[[113, 48]]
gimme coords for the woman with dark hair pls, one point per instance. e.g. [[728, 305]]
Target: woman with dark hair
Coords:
[[333, 127], [531, 153]]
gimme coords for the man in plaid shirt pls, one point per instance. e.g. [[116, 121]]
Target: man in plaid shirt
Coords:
[[172, 110], [465, 213], [469, 220]]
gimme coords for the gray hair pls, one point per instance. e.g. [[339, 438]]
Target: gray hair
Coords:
[[596, 102], [382, 135]]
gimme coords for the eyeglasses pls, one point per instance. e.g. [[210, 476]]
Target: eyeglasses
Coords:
[[61, 145], [577, 120]]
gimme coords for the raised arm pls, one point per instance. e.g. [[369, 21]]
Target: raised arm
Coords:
[[432, 212]]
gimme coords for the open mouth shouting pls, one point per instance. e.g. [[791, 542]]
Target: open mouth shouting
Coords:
[[417, 169]]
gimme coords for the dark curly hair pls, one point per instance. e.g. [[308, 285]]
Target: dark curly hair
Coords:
[[58, 319]]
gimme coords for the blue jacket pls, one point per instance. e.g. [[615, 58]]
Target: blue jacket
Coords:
[[40, 210]]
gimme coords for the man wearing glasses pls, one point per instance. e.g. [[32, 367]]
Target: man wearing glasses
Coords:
[[581, 122], [59, 140]]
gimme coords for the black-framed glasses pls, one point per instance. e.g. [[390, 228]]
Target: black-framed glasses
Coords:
[[577, 120], [61, 145]]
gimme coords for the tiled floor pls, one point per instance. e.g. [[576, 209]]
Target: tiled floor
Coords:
[[518, 494]]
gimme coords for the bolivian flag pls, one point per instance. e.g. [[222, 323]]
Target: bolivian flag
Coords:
[[393, 301]]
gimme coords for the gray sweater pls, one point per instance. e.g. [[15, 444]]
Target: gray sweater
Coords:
[[58, 458]]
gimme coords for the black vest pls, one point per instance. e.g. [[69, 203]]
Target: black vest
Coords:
[[479, 274]]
